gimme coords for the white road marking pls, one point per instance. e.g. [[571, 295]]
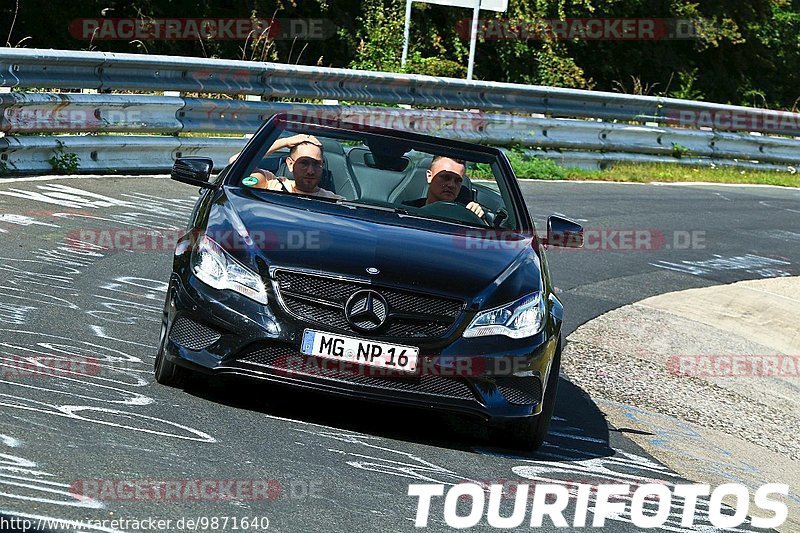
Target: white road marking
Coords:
[[80, 176]]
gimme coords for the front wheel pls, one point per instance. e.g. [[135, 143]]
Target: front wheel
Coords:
[[529, 433], [167, 372]]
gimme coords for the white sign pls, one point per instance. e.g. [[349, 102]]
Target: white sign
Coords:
[[491, 5], [475, 5]]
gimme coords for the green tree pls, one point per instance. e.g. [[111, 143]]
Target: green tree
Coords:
[[743, 52]]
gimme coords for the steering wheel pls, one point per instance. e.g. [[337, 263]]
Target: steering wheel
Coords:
[[452, 210]]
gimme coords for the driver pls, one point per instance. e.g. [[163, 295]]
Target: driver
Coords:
[[445, 177], [304, 162]]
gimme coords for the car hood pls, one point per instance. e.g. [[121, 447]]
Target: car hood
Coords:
[[287, 232]]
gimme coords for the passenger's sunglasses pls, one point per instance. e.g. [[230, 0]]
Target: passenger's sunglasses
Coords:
[[306, 162]]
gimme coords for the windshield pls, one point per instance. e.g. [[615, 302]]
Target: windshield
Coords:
[[376, 171]]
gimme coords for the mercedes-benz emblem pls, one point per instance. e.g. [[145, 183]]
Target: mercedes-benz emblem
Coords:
[[366, 310]]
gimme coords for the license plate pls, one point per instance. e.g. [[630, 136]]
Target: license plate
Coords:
[[361, 351]]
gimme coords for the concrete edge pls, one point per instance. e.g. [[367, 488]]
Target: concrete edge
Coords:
[[693, 448]]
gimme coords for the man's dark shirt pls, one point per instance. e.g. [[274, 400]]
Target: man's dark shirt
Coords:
[[419, 202]]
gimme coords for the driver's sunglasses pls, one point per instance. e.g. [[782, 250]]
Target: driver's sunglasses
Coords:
[[446, 175], [306, 162]]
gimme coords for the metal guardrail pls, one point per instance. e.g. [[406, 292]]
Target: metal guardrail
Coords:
[[586, 143], [136, 154], [64, 69], [64, 113], [105, 113], [129, 154]]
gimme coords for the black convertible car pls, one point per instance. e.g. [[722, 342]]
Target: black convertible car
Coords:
[[372, 263]]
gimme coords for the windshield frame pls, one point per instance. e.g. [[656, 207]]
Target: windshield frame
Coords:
[[275, 126]]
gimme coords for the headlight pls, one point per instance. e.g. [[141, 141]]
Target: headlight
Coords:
[[215, 267], [523, 318]]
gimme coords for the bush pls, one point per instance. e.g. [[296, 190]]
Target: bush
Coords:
[[64, 162], [538, 168], [434, 66]]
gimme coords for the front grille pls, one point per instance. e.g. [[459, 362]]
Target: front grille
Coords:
[[293, 363], [321, 300], [192, 335], [520, 390]]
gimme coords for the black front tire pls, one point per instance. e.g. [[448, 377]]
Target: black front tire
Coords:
[[529, 433], [166, 372]]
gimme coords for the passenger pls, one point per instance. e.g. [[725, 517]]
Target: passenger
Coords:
[[305, 162], [445, 177]]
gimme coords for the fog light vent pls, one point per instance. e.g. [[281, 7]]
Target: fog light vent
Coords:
[[193, 335], [521, 390]]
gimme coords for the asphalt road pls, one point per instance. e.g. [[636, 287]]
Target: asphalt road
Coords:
[[333, 464]]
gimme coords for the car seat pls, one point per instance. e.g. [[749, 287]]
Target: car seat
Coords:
[[377, 184], [415, 184]]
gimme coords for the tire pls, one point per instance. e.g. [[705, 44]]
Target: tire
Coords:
[[529, 433], [166, 372]]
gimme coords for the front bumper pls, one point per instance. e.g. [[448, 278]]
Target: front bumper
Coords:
[[221, 332]]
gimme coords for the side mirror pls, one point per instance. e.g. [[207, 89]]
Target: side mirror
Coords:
[[564, 232], [194, 171]]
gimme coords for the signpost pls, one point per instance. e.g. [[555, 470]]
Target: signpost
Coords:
[[476, 5]]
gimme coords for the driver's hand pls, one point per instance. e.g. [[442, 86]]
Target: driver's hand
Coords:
[[294, 140], [476, 208]]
